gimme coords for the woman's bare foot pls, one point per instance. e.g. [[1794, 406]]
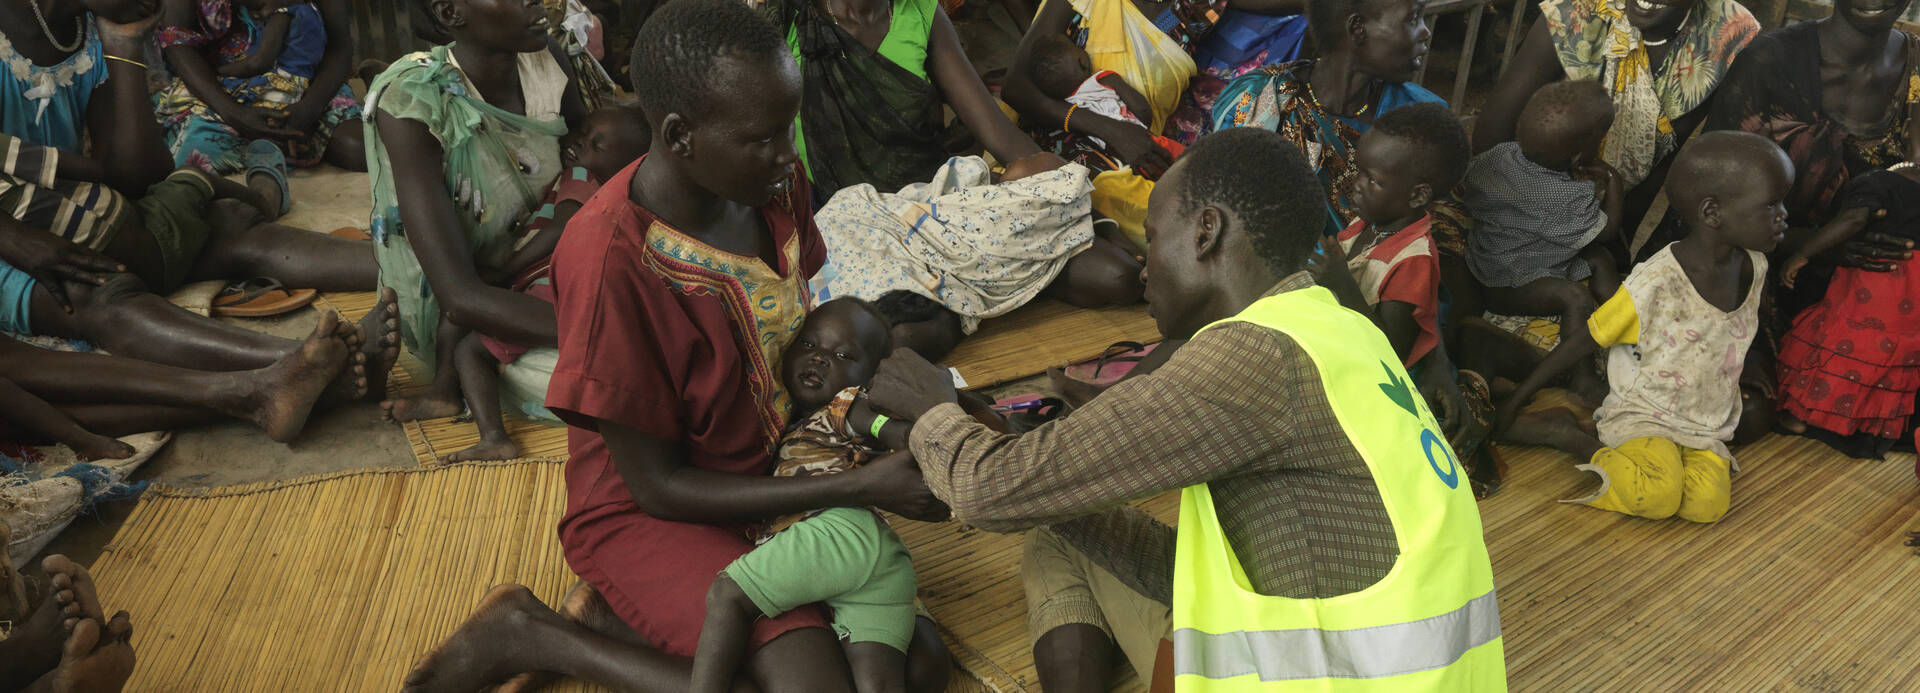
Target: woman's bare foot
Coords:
[[1791, 423], [502, 448], [483, 652], [290, 386], [582, 606], [380, 341], [93, 660], [422, 408], [93, 446], [1558, 428]]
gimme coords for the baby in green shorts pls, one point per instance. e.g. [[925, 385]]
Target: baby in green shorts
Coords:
[[846, 558]]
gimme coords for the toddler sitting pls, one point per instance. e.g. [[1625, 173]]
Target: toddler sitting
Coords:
[[1677, 334], [846, 558], [1062, 70], [1546, 209], [467, 376]]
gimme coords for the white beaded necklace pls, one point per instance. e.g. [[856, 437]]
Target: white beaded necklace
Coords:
[[79, 30]]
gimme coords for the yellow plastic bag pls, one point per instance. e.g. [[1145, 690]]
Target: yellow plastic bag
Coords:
[[1122, 196]]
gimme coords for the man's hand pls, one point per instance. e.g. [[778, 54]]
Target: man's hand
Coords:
[[893, 483], [906, 386], [1442, 393], [53, 261]]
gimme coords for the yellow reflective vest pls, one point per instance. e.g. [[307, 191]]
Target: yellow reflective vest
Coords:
[[1431, 624]]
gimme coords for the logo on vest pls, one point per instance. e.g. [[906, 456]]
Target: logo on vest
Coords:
[[1397, 390]]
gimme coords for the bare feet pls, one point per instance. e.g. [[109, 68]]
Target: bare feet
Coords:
[[482, 652], [33, 647], [68, 575], [380, 341], [422, 408], [93, 446], [1559, 429], [93, 660], [501, 449], [292, 384], [584, 606], [1791, 423]]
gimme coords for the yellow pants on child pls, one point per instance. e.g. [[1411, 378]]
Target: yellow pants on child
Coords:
[[1656, 478]]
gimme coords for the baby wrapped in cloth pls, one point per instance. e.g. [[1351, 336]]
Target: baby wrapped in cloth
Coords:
[[979, 248]]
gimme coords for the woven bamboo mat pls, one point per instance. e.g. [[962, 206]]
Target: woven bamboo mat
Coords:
[[1803, 586], [1023, 343], [347, 578]]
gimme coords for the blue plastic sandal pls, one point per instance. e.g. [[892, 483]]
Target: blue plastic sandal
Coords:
[[265, 157]]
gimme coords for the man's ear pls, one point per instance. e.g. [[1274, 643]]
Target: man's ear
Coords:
[[1212, 232], [678, 134], [1422, 196]]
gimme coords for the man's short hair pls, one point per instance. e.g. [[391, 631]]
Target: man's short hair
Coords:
[[1260, 176]]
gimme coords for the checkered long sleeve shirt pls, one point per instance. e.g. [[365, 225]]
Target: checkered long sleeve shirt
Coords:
[[1240, 407]]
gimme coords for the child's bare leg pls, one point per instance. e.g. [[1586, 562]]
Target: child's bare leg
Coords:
[[1495, 353], [1605, 280], [128, 419], [480, 380], [1559, 429], [1569, 300], [723, 637], [347, 146], [241, 246], [43, 421], [877, 667], [442, 398], [1104, 274], [260, 191]]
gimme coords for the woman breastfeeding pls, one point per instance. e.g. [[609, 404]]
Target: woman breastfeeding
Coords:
[[877, 73], [1660, 59], [466, 138], [1369, 50]]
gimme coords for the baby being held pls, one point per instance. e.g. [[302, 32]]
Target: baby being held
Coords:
[[845, 558], [1064, 71]]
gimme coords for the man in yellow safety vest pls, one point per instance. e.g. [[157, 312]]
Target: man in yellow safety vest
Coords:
[[1327, 540]]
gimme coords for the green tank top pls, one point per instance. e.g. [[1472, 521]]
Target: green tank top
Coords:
[[906, 45]]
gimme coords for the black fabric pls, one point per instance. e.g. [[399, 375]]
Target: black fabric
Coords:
[[865, 119]]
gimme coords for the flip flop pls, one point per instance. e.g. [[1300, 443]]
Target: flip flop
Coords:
[[265, 157], [1112, 365], [351, 233], [260, 297]]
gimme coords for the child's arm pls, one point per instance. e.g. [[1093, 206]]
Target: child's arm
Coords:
[[543, 242], [1843, 227], [273, 42], [893, 434], [1395, 318], [37, 417], [723, 638], [1570, 353], [1134, 100]]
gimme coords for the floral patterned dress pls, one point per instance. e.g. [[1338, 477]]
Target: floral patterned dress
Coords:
[[497, 165]]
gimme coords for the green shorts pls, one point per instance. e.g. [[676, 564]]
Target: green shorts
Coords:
[[175, 212], [845, 558]]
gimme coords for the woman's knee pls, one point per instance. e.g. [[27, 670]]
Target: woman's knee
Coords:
[[929, 664], [804, 660], [1102, 275], [347, 147]]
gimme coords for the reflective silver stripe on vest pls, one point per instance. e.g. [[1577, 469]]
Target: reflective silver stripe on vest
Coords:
[[1363, 653]]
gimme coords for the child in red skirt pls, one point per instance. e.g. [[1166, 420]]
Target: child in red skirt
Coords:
[[1850, 367]]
